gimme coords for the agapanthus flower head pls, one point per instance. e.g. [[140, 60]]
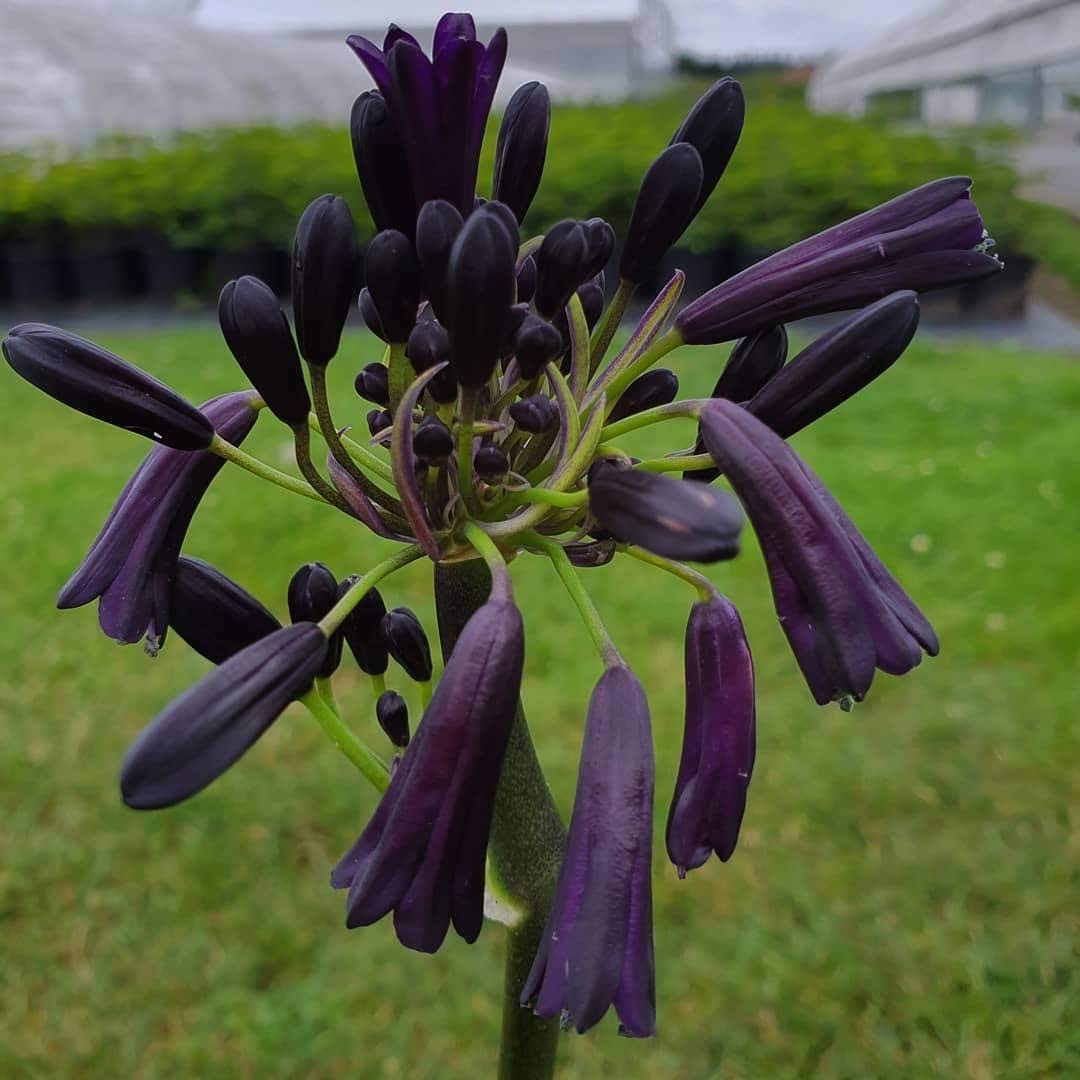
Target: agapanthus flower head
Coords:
[[929, 238], [213, 614], [195, 738], [719, 738], [597, 949], [439, 105], [843, 614], [131, 564], [422, 854], [86, 377]]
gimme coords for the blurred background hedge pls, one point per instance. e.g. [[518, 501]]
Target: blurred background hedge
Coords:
[[793, 174]]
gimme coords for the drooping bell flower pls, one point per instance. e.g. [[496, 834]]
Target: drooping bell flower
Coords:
[[843, 613], [839, 364], [382, 165], [597, 948], [130, 566], [712, 127], [422, 853], [257, 332], [324, 265], [666, 204], [668, 517], [929, 238], [522, 147], [440, 105], [718, 738], [94, 381], [213, 614], [195, 738]]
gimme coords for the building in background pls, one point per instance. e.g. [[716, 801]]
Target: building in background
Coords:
[[76, 70], [967, 61]]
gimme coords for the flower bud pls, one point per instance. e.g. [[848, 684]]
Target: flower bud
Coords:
[[378, 420], [591, 554], [258, 335], [407, 642], [393, 716], [313, 591], [392, 273], [659, 387], [363, 631], [370, 314], [666, 203], [559, 266], [432, 442], [325, 258], [591, 295], [213, 614], [373, 384], [526, 280], [443, 387], [712, 127], [505, 216], [668, 517], [534, 414], [522, 147], [601, 245], [381, 164], [491, 464], [91, 380], [428, 345], [536, 343], [479, 292], [437, 228], [193, 740]]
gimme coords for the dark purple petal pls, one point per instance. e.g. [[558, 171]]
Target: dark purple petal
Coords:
[[373, 58], [452, 25]]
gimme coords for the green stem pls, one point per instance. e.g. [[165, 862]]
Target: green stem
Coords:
[[687, 463], [339, 612], [359, 453], [684, 410], [582, 600], [525, 849], [370, 764], [399, 375], [656, 351], [606, 327], [564, 499], [302, 448], [260, 469], [466, 413], [425, 695], [705, 588]]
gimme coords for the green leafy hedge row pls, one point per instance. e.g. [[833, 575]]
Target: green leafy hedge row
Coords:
[[793, 173]]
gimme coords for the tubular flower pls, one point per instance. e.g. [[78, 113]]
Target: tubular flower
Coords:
[[422, 854], [842, 612], [929, 238], [131, 564], [597, 948], [495, 439], [439, 105], [718, 738]]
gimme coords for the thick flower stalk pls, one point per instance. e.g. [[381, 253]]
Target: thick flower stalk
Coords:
[[495, 417]]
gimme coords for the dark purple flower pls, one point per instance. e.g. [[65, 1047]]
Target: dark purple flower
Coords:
[[666, 204], [422, 853], [213, 614], [92, 380], [522, 147], [840, 363], [195, 738], [597, 948], [130, 565], [843, 613], [718, 738], [439, 106], [668, 517], [382, 165], [929, 238]]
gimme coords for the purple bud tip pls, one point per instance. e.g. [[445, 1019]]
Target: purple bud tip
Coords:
[[393, 716], [407, 643]]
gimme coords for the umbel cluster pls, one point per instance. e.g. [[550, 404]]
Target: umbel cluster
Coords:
[[494, 427]]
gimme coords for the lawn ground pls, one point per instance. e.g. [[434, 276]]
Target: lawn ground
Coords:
[[903, 900]]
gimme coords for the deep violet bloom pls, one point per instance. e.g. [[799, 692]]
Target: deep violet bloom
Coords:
[[597, 947], [94, 381], [440, 105], [928, 238], [196, 737], [718, 738], [422, 853], [842, 612], [130, 565], [213, 614]]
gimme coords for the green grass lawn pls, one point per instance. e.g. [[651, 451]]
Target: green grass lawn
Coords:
[[903, 899]]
